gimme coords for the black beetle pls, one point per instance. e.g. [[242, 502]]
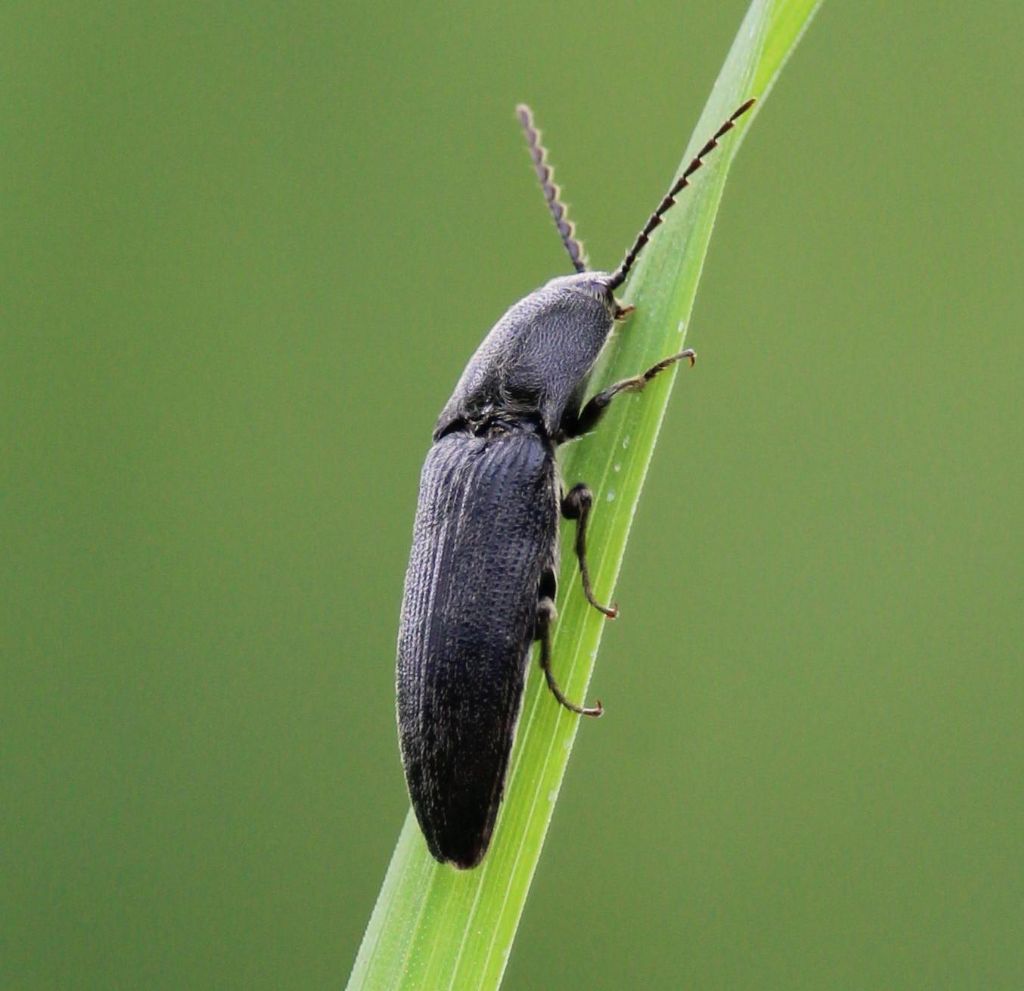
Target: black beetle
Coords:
[[480, 586]]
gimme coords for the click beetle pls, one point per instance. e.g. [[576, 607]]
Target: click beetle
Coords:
[[480, 586]]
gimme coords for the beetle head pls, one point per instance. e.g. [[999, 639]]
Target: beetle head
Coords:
[[594, 285]]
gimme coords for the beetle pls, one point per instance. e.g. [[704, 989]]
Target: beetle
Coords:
[[480, 586]]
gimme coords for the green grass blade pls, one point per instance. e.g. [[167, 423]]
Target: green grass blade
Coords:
[[436, 928]]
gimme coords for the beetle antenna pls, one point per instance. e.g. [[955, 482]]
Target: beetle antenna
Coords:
[[552, 194], [620, 274]]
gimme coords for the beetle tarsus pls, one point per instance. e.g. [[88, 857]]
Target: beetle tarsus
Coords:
[[589, 417], [637, 382], [545, 613], [576, 506]]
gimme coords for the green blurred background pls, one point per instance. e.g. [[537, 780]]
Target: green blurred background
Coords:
[[247, 249]]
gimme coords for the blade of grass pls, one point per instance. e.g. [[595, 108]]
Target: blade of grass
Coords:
[[436, 928]]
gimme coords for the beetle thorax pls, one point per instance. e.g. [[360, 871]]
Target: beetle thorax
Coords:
[[536, 359]]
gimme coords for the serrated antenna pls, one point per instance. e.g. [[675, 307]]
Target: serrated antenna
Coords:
[[552, 194], [620, 274]]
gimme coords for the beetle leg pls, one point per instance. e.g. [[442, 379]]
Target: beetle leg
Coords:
[[576, 506], [545, 616], [594, 409]]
